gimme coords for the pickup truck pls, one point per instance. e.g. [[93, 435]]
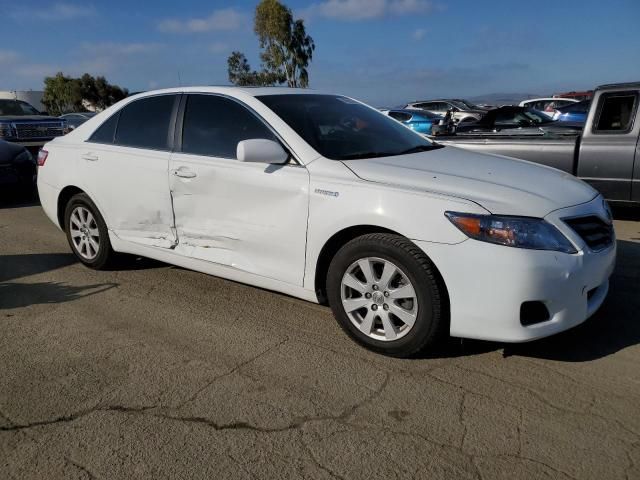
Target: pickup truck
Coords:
[[605, 153], [22, 124]]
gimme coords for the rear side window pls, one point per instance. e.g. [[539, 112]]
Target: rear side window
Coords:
[[107, 131], [616, 112], [145, 123], [214, 125]]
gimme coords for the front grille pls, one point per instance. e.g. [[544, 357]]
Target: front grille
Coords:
[[26, 131], [596, 233]]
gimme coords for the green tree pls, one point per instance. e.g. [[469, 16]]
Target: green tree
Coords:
[[286, 53], [62, 94]]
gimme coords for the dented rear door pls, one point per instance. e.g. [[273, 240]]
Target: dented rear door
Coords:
[[126, 172]]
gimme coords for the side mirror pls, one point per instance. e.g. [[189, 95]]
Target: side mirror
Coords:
[[261, 150]]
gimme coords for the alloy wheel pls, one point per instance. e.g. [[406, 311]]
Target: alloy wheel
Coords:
[[379, 298], [84, 233]]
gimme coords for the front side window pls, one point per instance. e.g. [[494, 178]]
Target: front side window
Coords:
[[340, 128], [616, 112], [214, 125], [145, 123]]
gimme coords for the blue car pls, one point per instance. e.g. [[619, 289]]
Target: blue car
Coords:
[[574, 113], [420, 121]]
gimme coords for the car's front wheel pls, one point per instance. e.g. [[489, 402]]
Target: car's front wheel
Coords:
[[87, 232], [387, 295]]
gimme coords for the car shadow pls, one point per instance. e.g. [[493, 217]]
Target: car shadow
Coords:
[[16, 266], [614, 327], [18, 201], [126, 262], [19, 295]]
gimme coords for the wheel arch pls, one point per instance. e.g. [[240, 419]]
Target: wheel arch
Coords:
[[337, 241], [63, 199]]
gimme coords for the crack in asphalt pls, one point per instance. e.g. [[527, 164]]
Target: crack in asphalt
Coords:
[[76, 416], [233, 370], [82, 468], [294, 425], [549, 403]]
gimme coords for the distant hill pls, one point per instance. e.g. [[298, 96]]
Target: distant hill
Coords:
[[503, 98]]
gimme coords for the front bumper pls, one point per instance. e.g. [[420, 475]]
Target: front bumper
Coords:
[[487, 285]]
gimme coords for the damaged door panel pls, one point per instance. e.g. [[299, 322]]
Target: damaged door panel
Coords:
[[130, 174], [252, 217]]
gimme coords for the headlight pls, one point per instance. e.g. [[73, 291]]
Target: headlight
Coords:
[[521, 232], [5, 130]]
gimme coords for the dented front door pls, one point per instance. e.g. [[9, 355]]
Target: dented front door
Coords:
[[249, 216]]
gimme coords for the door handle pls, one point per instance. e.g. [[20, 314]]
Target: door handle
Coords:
[[184, 173], [92, 157]]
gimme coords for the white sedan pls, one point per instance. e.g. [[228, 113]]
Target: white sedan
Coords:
[[324, 198], [549, 106]]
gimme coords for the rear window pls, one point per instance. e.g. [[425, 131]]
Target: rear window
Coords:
[[616, 112], [144, 123]]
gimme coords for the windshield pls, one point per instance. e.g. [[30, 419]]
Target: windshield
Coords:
[[517, 116], [470, 105], [342, 129], [16, 107], [580, 107]]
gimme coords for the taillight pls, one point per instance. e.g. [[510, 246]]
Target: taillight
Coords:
[[42, 157]]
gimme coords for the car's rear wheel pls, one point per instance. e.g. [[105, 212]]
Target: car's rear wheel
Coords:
[[387, 295], [87, 232]]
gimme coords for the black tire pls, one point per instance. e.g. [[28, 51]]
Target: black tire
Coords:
[[105, 254], [431, 323]]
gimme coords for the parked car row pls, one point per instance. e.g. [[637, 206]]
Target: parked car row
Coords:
[[604, 152], [465, 116], [23, 132]]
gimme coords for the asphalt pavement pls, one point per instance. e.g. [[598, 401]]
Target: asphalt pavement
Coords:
[[152, 371]]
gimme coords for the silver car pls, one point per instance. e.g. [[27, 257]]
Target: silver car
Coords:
[[462, 111]]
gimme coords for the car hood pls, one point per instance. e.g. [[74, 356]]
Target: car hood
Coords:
[[28, 118], [500, 184]]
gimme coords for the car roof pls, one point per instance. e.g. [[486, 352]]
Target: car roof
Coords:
[[231, 90], [435, 100], [555, 99], [424, 113], [619, 85]]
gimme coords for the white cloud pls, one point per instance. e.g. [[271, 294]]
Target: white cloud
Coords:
[[7, 56], [354, 10], [58, 11], [37, 70], [117, 49], [224, 19], [218, 47], [418, 34]]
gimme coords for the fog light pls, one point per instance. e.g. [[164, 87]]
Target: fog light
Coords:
[[533, 312]]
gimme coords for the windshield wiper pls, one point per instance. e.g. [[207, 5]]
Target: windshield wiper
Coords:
[[420, 148], [359, 155]]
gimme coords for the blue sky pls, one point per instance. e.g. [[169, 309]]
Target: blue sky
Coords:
[[382, 51]]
